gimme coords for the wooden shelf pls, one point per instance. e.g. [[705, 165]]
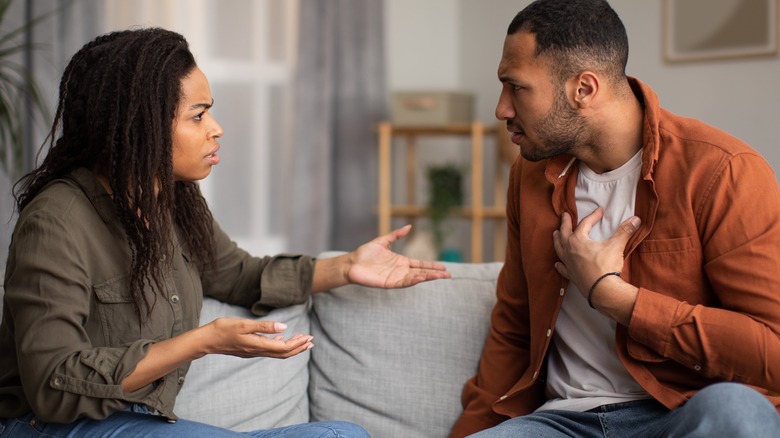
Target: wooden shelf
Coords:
[[431, 130], [419, 211], [476, 211]]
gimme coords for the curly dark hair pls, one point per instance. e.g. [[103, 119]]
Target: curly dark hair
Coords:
[[576, 35], [117, 101]]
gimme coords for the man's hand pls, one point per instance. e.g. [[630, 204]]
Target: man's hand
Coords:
[[584, 260]]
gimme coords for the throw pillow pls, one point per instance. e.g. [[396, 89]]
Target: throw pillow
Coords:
[[248, 394], [395, 361]]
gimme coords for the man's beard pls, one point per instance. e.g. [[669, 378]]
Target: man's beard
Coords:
[[560, 131]]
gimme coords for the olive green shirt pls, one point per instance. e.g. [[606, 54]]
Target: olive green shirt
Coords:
[[70, 333]]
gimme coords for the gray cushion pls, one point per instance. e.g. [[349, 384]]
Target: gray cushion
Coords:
[[248, 394], [395, 361]]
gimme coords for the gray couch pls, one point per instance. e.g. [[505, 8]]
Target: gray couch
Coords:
[[393, 361]]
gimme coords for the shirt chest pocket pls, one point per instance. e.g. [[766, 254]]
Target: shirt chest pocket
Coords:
[[118, 317], [669, 265]]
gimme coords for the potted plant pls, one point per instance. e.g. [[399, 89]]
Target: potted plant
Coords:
[[445, 192], [20, 99]]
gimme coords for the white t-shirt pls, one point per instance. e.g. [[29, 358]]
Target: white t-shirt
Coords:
[[583, 370]]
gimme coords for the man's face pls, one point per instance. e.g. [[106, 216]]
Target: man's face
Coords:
[[534, 103]]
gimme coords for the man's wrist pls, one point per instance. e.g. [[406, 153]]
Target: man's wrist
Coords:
[[615, 298], [596, 283]]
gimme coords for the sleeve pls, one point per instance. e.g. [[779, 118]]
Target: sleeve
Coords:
[[735, 335], [506, 355], [47, 291], [260, 284]]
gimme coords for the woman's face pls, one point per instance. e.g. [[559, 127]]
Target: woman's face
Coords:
[[195, 132]]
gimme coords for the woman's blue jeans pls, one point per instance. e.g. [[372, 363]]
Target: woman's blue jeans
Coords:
[[721, 410], [137, 422]]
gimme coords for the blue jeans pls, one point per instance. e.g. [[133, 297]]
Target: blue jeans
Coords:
[[721, 410], [137, 422]]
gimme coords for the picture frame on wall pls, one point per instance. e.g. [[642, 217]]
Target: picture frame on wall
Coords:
[[705, 29]]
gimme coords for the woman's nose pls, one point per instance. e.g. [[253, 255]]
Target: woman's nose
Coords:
[[216, 130]]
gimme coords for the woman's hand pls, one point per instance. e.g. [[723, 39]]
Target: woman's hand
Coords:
[[247, 338], [231, 336], [373, 264]]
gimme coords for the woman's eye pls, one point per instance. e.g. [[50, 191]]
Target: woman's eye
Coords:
[[199, 117]]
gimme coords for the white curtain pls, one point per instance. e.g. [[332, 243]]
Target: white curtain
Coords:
[[340, 94]]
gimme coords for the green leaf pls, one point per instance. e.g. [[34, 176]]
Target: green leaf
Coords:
[[17, 89], [445, 192]]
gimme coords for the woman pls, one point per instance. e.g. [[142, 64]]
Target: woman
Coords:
[[115, 247]]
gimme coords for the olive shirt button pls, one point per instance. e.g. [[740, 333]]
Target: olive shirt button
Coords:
[[174, 299], [697, 367], [181, 380]]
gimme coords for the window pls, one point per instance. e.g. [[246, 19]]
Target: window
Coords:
[[246, 48]]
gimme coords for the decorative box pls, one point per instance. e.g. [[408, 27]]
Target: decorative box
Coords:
[[432, 107]]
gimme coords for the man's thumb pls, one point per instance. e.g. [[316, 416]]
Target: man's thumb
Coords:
[[630, 226]]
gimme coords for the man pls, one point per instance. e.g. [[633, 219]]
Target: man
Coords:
[[640, 294]]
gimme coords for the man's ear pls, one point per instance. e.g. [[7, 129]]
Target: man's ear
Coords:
[[582, 89]]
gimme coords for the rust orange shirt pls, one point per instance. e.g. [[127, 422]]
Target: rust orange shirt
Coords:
[[706, 260]]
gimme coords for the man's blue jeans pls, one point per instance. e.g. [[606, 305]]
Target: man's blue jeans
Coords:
[[721, 410], [137, 422]]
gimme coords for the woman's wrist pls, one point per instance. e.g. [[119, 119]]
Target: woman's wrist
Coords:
[[332, 272]]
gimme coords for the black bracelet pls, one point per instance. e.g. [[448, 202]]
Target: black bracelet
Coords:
[[596, 283]]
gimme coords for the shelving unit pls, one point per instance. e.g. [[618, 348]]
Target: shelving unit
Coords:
[[477, 212]]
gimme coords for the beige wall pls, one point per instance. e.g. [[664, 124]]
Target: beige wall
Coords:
[[443, 44]]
